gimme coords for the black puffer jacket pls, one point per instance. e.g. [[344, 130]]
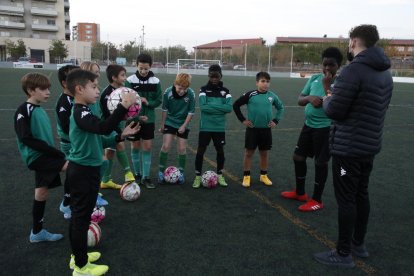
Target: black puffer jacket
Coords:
[[360, 98]]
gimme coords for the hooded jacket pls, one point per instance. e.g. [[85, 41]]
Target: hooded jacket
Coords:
[[360, 98]]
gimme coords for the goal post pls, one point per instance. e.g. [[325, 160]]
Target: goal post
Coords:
[[196, 64]]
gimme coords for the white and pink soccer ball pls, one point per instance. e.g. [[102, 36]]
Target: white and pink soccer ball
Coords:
[[94, 234], [172, 175], [98, 214], [130, 191], [115, 98], [209, 179]]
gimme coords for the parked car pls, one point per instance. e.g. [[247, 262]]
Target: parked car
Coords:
[[239, 67], [203, 66], [171, 65], [157, 65]]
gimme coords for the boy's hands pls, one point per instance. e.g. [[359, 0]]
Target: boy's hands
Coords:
[[272, 124], [181, 129], [128, 99], [316, 101], [130, 129], [143, 118], [248, 123], [327, 81], [161, 129], [144, 100]]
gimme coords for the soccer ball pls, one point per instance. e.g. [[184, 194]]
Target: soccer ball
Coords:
[[94, 234], [172, 175], [98, 214], [130, 191], [209, 179], [115, 98]]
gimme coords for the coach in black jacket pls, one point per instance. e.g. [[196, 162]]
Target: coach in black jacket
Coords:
[[356, 103]]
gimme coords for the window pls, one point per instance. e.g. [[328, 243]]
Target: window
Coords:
[[4, 33], [88, 32], [88, 27], [51, 22]]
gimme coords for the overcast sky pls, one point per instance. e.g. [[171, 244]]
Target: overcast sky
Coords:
[[196, 22]]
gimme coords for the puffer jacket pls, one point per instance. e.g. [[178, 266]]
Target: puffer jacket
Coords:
[[360, 98]]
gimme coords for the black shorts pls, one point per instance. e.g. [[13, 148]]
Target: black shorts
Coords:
[[258, 138], [314, 142], [47, 171], [145, 133], [174, 131], [204, 138]]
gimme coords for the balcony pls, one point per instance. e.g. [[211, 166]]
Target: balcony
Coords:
[[12, 25], [66, 4], [44, 12], [67, 17], [11, 10], [45, 27]]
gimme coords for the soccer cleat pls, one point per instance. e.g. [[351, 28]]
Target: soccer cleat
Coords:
[[310, 206], [129, 177], [138, 178], [197, 182], [90, 270], [44, 235], [100, 201], [148, 183], [221, 181], [161, 179], [67, 213], [294, 195], [265, 180], [92, 257], [359, 250], [246, 181], [332, 258], [110, 185]]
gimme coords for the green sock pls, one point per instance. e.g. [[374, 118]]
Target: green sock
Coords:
[[163, 161], [136, 160], [107, 174], [123, 159], [181, 162], [146, 163]]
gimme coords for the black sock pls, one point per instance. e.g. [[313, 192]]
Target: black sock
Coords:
[[38, 212], [300, 175], [245, 173], [262, 172], [321, 174]]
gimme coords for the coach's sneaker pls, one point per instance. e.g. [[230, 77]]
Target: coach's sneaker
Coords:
[[294, 195], [197, 182], [246, 181], [310, 206], [110, 185], [359, 250], [129, 177], [221, 181], [92, 257], [100, 201], [332, 258], [44, 235], [67, 213], [148, 183], [265, 180], [161, 179], [90, 270]]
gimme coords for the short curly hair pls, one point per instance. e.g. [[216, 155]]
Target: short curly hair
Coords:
[[333, 52], [367, 33]]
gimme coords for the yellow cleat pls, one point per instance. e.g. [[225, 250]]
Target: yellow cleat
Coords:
[[110, 185], [246, 181], [265, 180], [90, 269], [92, 257], [129, 176]]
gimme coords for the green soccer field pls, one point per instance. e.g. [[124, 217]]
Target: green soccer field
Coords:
[[177, 230]]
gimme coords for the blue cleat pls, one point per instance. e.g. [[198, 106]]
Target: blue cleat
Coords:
[[100, 201], [161, 179], [67, 213], [44, 236]]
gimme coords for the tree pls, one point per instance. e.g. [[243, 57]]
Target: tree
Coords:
[[58, 51], [16, 51]]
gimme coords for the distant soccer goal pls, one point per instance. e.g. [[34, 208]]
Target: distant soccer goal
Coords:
[[192, 64]]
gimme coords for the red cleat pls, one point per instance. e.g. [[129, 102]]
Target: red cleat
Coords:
[[310, 206], [294, 195]]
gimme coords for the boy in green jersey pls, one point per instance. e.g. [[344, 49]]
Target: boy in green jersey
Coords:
[[149, 89], [177, 111], [86, 132], [259, 122], [215, 102], [36, 145], [313, 140]]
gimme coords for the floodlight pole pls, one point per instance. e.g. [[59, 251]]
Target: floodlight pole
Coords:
[[268, 65], [245, 60], [291, 61], [221, 51]]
